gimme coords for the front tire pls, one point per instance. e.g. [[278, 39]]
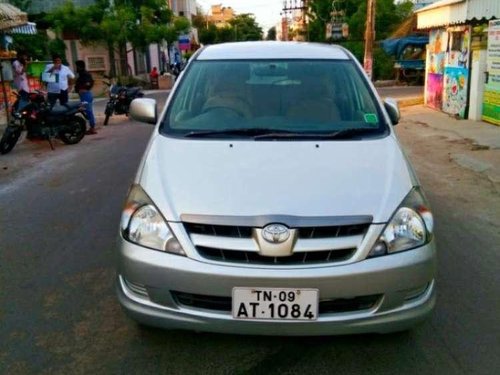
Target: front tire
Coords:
[[74, 131], [106, 119], [108, 112], [9, 139]]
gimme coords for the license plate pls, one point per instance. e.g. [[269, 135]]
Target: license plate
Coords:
[[275, 303]]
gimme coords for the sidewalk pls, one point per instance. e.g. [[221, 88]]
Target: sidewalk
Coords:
[[484, 139]]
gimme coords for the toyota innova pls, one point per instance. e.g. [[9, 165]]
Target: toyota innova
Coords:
[[274, 198]]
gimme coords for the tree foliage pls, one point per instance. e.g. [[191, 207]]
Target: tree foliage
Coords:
[[388, 16], [271, 33], [139, 22], [242, 27], [21, 4]]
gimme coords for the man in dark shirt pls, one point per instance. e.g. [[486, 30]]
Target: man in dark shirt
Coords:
[[83, 86]]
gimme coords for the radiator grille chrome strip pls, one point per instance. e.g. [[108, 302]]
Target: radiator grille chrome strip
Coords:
[[289, 220], [302, 245]]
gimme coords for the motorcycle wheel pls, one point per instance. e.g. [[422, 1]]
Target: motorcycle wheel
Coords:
[[106, 119], [9, 140], [74, 131], [108, 112]]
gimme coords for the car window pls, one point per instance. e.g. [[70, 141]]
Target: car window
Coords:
[[301, 96]]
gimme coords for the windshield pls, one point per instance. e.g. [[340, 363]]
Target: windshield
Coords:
[[268, 98]]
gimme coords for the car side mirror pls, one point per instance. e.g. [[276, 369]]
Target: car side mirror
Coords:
[[392, 108], [144, 110]]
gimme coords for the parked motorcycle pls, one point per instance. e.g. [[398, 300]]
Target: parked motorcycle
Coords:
[[120, 98], [176, 69], [66, 122]]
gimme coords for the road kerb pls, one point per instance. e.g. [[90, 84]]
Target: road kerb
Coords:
[[407, 102]]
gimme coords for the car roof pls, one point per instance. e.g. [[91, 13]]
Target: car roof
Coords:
[[272, 50]]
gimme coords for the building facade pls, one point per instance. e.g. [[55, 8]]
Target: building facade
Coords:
[[220, 16], [462, 62], [183, 8]]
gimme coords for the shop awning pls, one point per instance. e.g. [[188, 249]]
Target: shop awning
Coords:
[[29, 28], [11, 17], [455, 12]]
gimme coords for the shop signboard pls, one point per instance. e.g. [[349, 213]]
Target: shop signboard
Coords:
[[491, 99], [184, 43]]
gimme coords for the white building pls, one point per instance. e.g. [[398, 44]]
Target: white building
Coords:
[[183, 8]]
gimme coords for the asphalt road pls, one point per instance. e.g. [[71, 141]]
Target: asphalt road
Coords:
[[401, 92], [59, 214]]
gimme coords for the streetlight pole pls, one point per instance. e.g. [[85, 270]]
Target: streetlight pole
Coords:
[[369, 37]]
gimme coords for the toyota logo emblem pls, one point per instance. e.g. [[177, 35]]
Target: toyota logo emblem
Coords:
[[275, 233]]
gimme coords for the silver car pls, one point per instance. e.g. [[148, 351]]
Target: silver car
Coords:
[[274, 198]]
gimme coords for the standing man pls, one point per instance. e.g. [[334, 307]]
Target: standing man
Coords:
[[58, 78], [83, 87], [21, 79]]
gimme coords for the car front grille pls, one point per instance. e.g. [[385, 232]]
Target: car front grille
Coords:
[[251, 257], [223, 304], [314, 244], [304, 232]]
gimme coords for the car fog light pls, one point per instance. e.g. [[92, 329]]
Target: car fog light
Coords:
[[173, 246], [379, 249], [415, 293]]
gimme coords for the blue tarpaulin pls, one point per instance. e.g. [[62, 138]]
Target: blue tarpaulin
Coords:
[[397, 46]]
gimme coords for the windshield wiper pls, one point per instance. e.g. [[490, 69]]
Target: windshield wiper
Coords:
[[251, 132], [340, 134]]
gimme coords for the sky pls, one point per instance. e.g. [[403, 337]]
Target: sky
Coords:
[[267, 12]]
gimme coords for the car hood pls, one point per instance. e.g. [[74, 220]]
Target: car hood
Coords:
[[255, 178]]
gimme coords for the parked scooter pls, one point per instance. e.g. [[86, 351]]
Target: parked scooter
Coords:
[[66, 122], [120, 98]]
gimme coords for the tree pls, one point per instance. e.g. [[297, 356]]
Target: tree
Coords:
[[271, 33], [246, 28], [21, 4], [139, 22], [243, 27], [388, 16]]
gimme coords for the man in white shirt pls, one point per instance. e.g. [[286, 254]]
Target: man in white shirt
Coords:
[[59, 79]]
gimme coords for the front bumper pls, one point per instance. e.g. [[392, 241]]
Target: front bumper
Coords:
[[395, 277]]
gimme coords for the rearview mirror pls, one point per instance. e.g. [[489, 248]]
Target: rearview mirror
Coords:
[[392, 108], [144, 110]]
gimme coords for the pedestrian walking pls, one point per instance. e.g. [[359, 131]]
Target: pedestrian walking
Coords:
[[83, 86], [58, 78], [21, 79]]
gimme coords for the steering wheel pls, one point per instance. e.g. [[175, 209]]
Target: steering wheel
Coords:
[[233, 110], [235, 105]]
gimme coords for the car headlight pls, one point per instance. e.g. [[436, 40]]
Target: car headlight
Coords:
[[410, 227], [143, 224]]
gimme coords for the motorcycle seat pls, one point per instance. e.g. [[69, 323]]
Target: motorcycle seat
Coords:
[[133, 91], [60, 109]]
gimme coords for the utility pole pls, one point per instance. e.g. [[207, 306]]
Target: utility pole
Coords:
[[369, 37]]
